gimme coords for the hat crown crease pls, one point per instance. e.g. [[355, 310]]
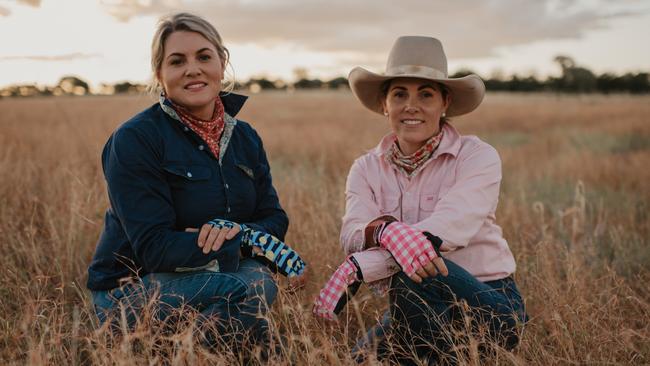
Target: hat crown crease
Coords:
[[417, 51], [424, 71]]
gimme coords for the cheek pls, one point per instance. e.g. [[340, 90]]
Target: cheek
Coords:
[[219, 73], [167, 78], [392, 106], [434, 110], [394, 123]]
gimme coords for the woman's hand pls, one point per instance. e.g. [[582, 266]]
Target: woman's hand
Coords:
[[212, 238], [413, 250], [430, 268]]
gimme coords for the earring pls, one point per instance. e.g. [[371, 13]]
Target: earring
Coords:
[[385, 113], [444, 114]]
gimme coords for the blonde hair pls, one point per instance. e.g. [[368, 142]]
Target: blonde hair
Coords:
[[189, 23]]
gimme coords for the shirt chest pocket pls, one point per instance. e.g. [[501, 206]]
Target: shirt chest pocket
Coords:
[[181, 176], [429, 201], [194, 195]]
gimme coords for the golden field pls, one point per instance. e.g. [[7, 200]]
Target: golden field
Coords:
[[574, 207]]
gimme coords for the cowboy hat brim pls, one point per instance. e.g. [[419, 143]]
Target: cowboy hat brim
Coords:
[[466, 92]]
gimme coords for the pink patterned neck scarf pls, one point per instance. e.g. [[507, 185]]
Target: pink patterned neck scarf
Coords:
[[411, 164], [210, 131]]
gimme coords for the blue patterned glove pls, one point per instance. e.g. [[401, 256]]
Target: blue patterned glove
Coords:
[[273, 252]]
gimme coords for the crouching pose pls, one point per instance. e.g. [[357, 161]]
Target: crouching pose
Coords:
[[420, 215], [194, 220]]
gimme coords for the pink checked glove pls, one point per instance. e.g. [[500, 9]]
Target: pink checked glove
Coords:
[[343, 284], [410, 247]]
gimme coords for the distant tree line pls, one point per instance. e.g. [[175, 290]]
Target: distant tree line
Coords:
[[70, 85], [574, 79]]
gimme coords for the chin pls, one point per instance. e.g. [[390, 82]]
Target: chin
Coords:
[[197, 102], [416, 139]]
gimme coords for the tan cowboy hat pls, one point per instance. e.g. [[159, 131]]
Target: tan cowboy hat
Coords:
[[417, 57]]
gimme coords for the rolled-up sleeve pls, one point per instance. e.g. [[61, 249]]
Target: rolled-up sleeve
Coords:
[[461, 212]]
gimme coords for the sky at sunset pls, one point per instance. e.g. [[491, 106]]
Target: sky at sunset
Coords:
[[109, 40]]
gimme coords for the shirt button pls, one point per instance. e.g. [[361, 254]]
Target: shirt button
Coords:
[[189, 175], [201, 147], [227, 186], [228, 209]]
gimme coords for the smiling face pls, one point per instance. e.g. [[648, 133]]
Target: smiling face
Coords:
[[191, 72], [414, 108]]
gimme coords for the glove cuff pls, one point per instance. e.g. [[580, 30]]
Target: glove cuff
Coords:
[[357, 267]]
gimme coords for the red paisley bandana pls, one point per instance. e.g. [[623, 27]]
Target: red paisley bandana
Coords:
[[210, 131], [411, 164]]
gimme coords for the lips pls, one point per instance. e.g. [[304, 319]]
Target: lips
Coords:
[[195, 85], [412, 122]]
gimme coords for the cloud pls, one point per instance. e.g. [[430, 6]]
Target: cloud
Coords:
[[124, 10], [6, 11], [365, 29], [34, 3], [66, 57]]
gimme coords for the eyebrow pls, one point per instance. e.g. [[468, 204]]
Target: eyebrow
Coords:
[[424, 86], [183, 55]]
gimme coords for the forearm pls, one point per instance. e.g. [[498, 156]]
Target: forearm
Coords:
[[167, 251]]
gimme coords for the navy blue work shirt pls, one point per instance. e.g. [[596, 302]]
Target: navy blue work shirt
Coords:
[[162, 178]]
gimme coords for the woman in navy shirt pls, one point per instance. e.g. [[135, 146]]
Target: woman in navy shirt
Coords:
[[178, 165]]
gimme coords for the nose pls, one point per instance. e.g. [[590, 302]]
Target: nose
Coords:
[[411, 105], [193, 69]]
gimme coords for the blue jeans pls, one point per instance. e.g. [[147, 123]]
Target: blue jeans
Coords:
[[229, 303], [422, 316]]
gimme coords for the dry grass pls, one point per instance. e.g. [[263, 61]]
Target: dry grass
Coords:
[[574, 207]]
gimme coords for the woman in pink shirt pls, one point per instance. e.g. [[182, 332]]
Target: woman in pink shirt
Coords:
[[420, 214]]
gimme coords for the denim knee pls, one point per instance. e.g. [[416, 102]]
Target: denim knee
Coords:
[[261, 287]]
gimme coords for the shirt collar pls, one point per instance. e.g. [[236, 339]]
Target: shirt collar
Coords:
[[232, 103], [450, 143]]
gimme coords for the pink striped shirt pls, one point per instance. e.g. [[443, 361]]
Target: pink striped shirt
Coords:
[[454, 196]]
